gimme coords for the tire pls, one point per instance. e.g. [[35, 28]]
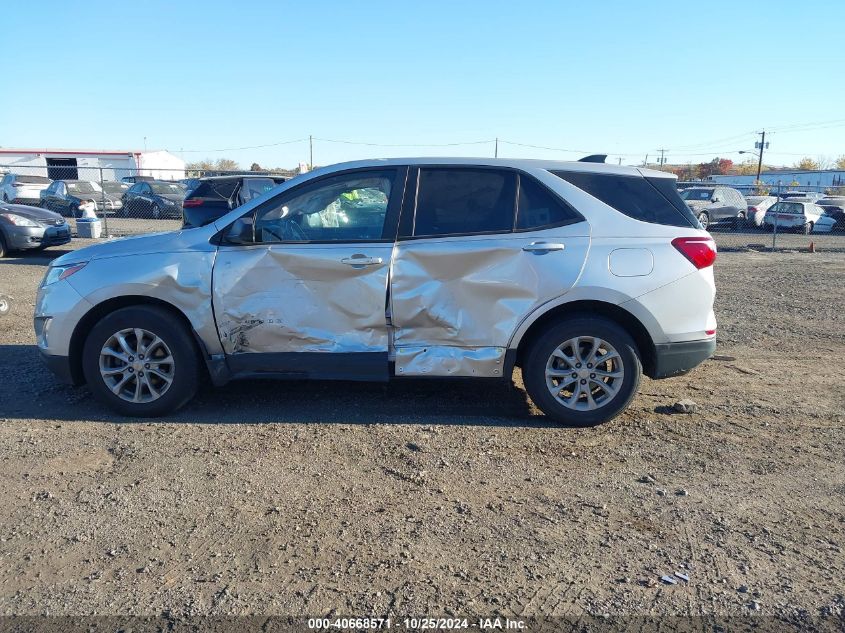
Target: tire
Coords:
[[808, 228], [5, 305], [740, 221], [156, 396], [704, 220], [156, 211], [589, 329], [4, 250]]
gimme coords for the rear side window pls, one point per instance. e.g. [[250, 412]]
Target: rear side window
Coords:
[[652, 200], [538, 207], [215, 189], [462, 201]]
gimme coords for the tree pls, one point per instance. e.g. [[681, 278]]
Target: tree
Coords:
[[840, 162], [255, 167], [806, 163], [202, 167], [717, 166], [747, 167]]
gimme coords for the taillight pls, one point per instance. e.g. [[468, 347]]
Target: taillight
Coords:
[[753, 209], [700, 251], [18, 184], [193, 202]]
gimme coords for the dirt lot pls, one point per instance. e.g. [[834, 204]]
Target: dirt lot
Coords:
[[431, 498]]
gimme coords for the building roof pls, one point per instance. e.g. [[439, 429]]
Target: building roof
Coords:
[[94, 152]]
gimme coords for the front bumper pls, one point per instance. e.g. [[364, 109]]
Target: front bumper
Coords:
[[60, 366], [21, 238], [674, 359]]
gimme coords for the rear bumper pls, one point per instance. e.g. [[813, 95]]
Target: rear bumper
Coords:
[[673, 359], [60, 366]]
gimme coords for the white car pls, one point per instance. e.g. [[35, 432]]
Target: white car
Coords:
[[792, 215], [585, 275], [23, 188], [757, 207]]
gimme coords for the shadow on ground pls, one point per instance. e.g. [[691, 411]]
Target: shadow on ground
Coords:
[[28, 391]]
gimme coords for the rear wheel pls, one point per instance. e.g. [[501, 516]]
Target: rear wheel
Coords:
[[4, 250], [141, 361], [704, 220], [583, 371], [156, 212]]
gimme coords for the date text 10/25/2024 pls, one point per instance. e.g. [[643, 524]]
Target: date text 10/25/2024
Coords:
[[416, 624]]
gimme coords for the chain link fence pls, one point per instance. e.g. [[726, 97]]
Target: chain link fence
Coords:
[[776, 216], [125, 201], [771, 216]]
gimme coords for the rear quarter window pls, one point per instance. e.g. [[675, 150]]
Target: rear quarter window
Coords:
[[653, 200]]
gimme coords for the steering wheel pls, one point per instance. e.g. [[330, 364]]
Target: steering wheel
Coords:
[[291, 232]]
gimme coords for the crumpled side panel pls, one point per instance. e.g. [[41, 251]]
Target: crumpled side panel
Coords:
[[182, 279], [300, 299], [480, 362]]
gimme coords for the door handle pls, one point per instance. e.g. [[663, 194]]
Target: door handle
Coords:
[[359, 259], [543, 247]]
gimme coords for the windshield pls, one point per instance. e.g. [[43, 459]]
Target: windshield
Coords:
[[115, 187], [166, 188], [83, 187], [696, 194]]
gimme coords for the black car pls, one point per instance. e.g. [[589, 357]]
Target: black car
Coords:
[[133, 179], [154, 199], [29, 228], [217, 195], [834, 207], [66, 196]]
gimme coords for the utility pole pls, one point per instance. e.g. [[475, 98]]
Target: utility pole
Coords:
[[311, 152], [662, 160], [763, 144], [496, 151]]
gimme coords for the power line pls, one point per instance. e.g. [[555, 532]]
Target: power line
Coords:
[[234, 149], [346, 142]]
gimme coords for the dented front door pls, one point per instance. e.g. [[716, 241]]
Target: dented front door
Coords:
[[308, 297]]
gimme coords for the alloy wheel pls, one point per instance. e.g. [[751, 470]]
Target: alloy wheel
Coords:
[[136, 365], [584, 373]]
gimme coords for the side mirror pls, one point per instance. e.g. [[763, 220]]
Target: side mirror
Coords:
[[241, 232]]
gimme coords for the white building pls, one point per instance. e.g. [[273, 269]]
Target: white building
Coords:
[[816, 179], [85, 164]]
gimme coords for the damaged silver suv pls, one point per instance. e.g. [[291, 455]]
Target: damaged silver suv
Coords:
[[584, 275]]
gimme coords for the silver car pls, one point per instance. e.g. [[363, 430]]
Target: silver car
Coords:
[[24, 228], [583, 274]]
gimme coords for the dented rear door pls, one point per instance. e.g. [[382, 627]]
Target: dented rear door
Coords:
[[308, 297], [485, 248]]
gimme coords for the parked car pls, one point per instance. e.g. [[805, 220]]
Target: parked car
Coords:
[[712, 205], [133, 179], [585, 275], [190, 183], [22, 188], [808, 196], [217, 195], [833, 218], [116, 189], [757, 207], [67, 197], [154, 199], [793, 215], [24, 227]]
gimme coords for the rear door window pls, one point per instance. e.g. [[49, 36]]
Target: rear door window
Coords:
[[458, 201], [538, 207], [653, 200]]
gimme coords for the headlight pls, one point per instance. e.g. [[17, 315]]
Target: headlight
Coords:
[[57, 273], [19, 220]]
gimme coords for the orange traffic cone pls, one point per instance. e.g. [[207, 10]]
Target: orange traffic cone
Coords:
[[812, 247]]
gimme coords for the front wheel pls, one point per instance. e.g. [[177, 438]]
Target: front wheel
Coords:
[[583, 371], [704, 220], [141, 361], [156, 212]]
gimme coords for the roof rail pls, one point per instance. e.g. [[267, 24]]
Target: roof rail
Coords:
[[593, 158]]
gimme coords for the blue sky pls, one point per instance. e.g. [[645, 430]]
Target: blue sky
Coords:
[[624, 78]]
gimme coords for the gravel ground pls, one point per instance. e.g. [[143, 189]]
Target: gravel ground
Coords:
[[430, 497]]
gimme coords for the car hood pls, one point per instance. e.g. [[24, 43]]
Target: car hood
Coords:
[[149, 244], [33, 213]]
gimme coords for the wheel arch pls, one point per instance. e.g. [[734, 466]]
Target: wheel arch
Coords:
[[100, 310], [591, 308]]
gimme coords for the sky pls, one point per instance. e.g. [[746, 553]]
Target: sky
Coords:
[[208, 79]]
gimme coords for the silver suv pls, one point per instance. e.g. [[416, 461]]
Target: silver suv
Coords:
[[584, 275]]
